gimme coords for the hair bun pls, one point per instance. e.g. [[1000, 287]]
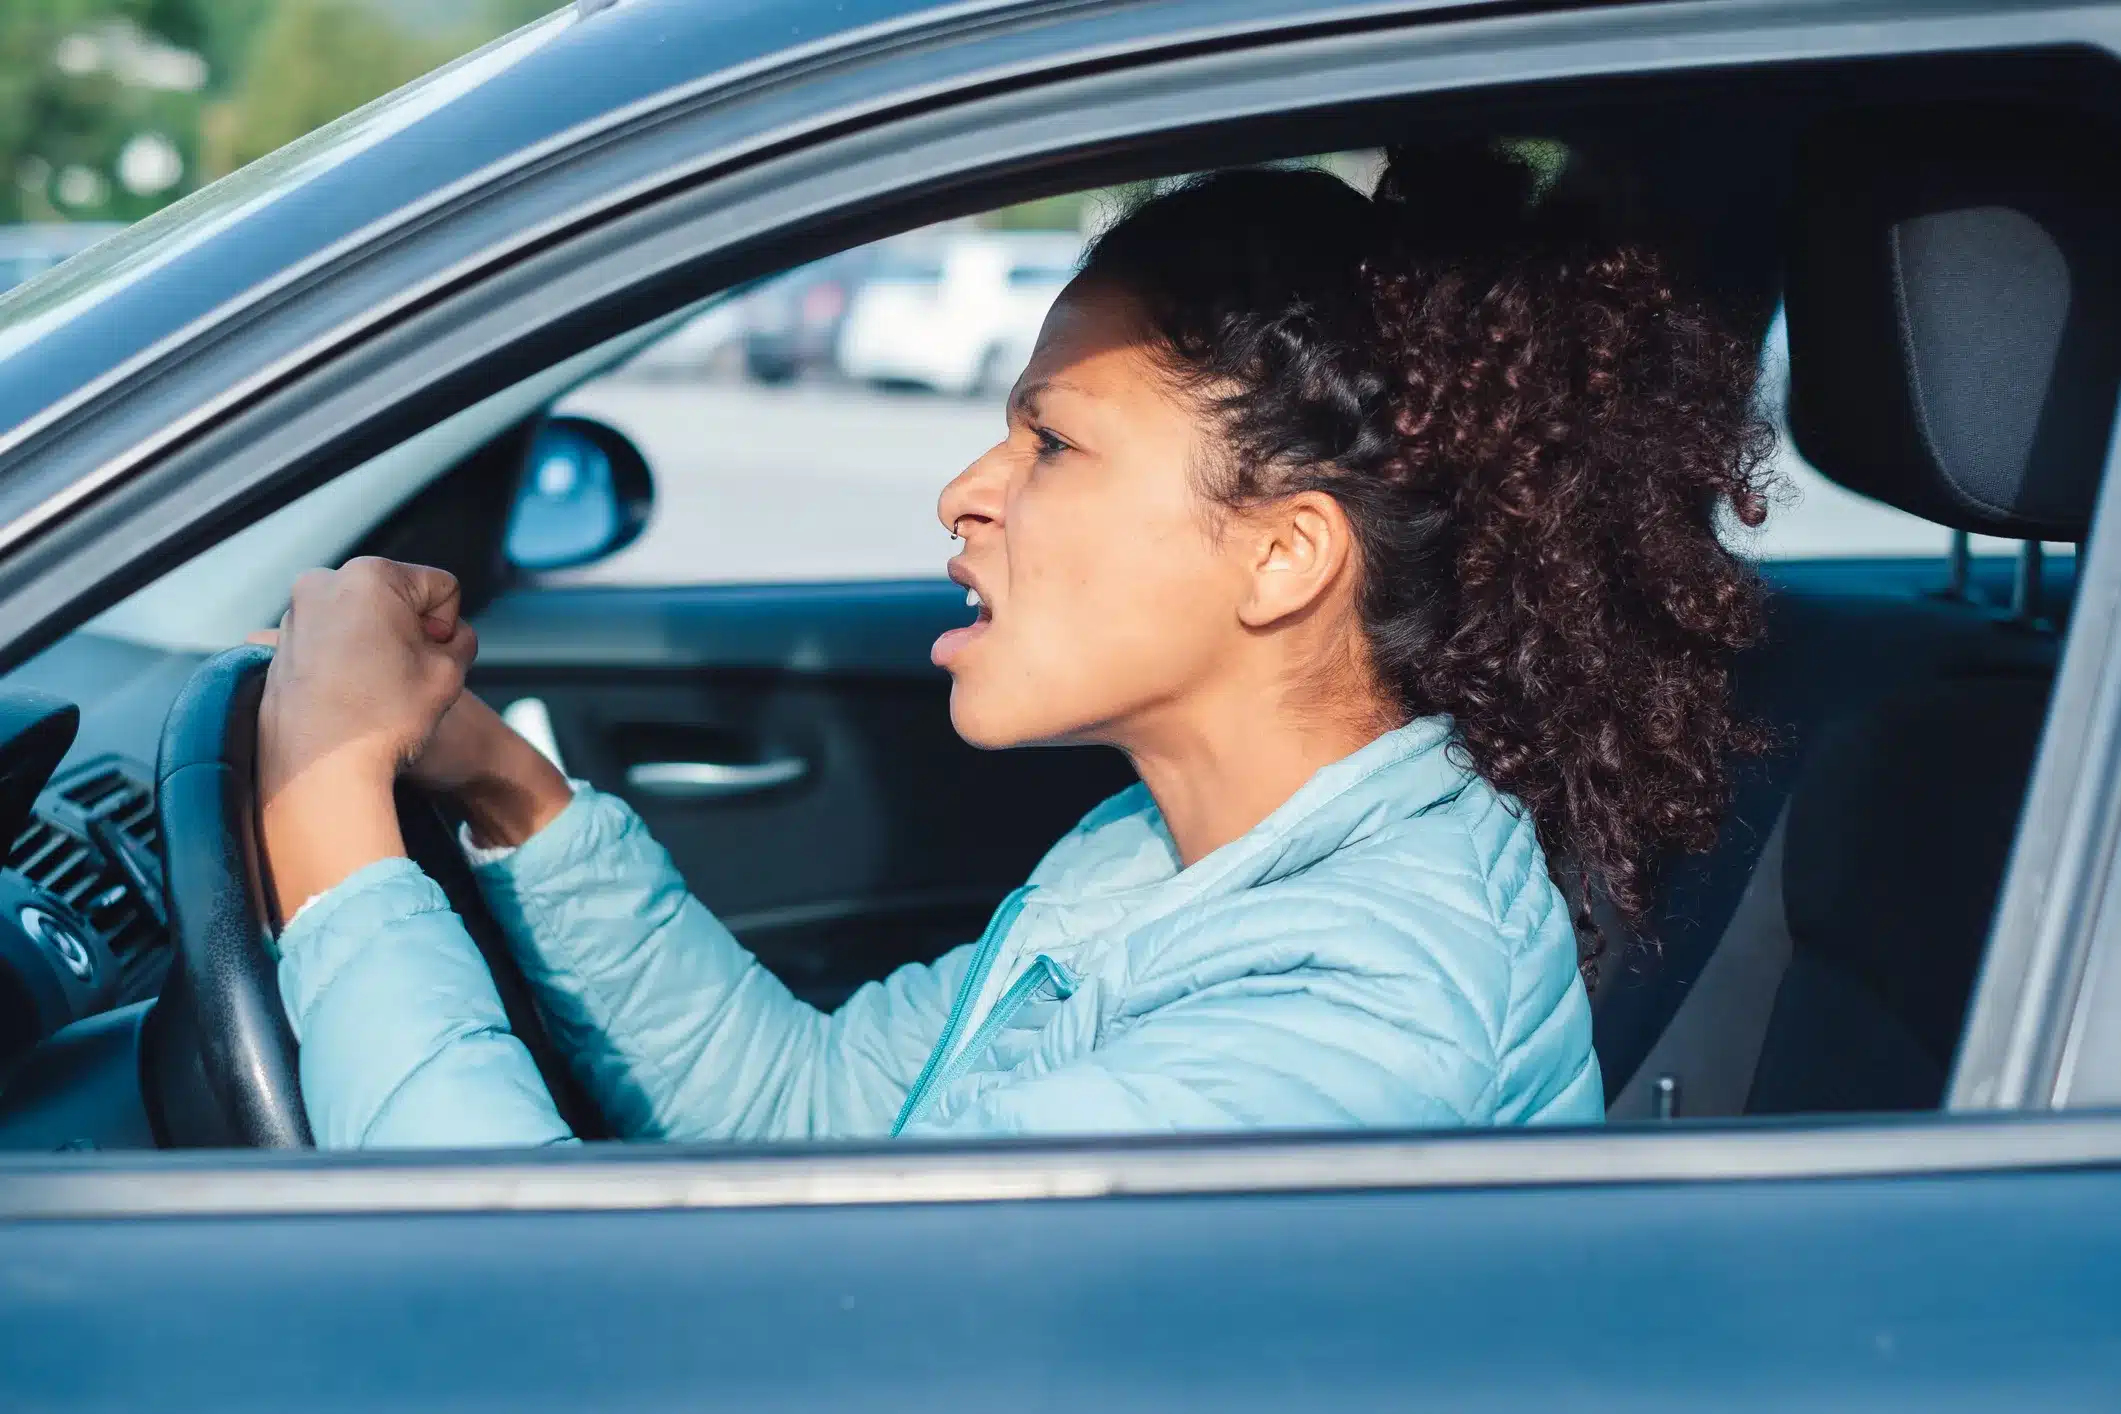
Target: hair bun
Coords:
[[1466, 192]]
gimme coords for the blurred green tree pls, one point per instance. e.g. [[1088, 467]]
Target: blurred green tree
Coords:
[[308, 63], [111, 108], [100, 102]]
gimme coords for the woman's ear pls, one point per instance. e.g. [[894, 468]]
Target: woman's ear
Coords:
[[1296, 549]]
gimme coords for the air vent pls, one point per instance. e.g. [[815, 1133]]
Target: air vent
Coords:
[[71, 848], [113, 793], [61, 863]]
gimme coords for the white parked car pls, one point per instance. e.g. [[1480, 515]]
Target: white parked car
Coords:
[[955, 312]]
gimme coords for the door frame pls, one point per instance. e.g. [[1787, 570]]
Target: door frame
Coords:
[[616, 1177]]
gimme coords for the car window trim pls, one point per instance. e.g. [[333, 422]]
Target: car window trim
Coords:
[[2024, 1044], [622, 1177]]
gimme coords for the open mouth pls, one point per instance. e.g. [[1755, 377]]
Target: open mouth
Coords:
[[952, 644]]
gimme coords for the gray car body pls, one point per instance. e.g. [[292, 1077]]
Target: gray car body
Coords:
[[1957, 1261]]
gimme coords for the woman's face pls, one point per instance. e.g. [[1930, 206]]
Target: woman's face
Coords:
[[1106, 595]]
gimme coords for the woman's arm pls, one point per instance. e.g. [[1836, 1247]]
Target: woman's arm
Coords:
[[676, 1029], [681, 1032], [664, 1015], [678, 1032], [404, 1040]]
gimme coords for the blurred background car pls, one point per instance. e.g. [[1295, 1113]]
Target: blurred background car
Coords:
[[792, 324], [709, 344], [955, 312], [775, 331], [27, 251]]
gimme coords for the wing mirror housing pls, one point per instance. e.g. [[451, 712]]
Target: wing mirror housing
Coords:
[[583, 494]]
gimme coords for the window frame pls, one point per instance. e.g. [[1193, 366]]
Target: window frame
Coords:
[[163, 487], [2053, 961]]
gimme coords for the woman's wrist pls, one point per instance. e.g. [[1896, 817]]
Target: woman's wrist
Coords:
[[515, 795], [325, 824]]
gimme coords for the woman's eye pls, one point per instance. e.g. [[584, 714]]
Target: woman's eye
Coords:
[[1048, 444]]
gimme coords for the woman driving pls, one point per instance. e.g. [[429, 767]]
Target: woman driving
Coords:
[[1378, 533]]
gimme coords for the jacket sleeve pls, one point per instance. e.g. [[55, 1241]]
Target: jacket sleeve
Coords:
[[676, 1030], [404, 1040]]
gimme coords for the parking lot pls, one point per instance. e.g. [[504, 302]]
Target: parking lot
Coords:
[[823, 480]]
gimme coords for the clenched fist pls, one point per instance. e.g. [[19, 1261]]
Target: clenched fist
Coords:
[[368, 660], [367, 682]]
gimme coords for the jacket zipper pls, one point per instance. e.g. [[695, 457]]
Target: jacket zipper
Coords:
[[1006, 1006], [968, 990]]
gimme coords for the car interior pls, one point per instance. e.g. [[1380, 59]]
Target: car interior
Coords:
[[1938, 239]]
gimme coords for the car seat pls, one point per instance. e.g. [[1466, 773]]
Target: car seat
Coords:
[[1953, 296]]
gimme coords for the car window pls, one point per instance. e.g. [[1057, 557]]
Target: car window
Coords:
[[853, 388], [799, 429]]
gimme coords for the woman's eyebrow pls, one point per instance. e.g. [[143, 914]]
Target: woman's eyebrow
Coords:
[[1026, 397]]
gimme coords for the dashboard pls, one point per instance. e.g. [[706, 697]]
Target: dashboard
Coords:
[[85, 946]]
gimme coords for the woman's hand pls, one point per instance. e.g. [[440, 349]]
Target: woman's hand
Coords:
[[506, 789], [370, 659]]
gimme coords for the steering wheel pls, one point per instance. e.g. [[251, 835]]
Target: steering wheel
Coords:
[[225, 1023]]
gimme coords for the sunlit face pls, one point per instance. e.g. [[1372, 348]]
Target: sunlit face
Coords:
[[1107, 595]]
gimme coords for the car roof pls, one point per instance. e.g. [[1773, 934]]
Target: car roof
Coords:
[[580, 71], [566, 72]]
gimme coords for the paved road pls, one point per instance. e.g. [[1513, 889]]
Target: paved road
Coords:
[[820, 481]]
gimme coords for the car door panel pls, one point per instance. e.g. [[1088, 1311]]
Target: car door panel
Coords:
[[851, 829], [1938, 1294]]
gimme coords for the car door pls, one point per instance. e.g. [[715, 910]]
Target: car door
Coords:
[[1925, 1262]]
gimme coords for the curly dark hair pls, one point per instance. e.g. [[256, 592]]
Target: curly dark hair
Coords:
[[1532, 428]]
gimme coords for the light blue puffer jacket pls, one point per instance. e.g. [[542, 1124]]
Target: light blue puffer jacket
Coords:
[[1386, 949]]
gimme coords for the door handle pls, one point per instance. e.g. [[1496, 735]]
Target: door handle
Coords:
[[714, 780]]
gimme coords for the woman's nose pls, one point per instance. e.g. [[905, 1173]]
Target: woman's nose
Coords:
[[974, 496]]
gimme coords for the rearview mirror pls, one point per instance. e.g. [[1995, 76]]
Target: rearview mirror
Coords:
[[584, 493]]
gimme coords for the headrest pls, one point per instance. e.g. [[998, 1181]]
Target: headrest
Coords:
[[1953, 298]]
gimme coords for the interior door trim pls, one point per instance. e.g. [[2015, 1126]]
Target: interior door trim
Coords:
[[612, 1177]]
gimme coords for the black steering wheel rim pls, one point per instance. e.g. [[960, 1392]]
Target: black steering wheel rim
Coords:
[[221, 918]]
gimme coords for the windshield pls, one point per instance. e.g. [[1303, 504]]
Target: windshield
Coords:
[[32, 309]]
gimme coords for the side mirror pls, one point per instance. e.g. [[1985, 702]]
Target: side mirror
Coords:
[[584, 493]]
